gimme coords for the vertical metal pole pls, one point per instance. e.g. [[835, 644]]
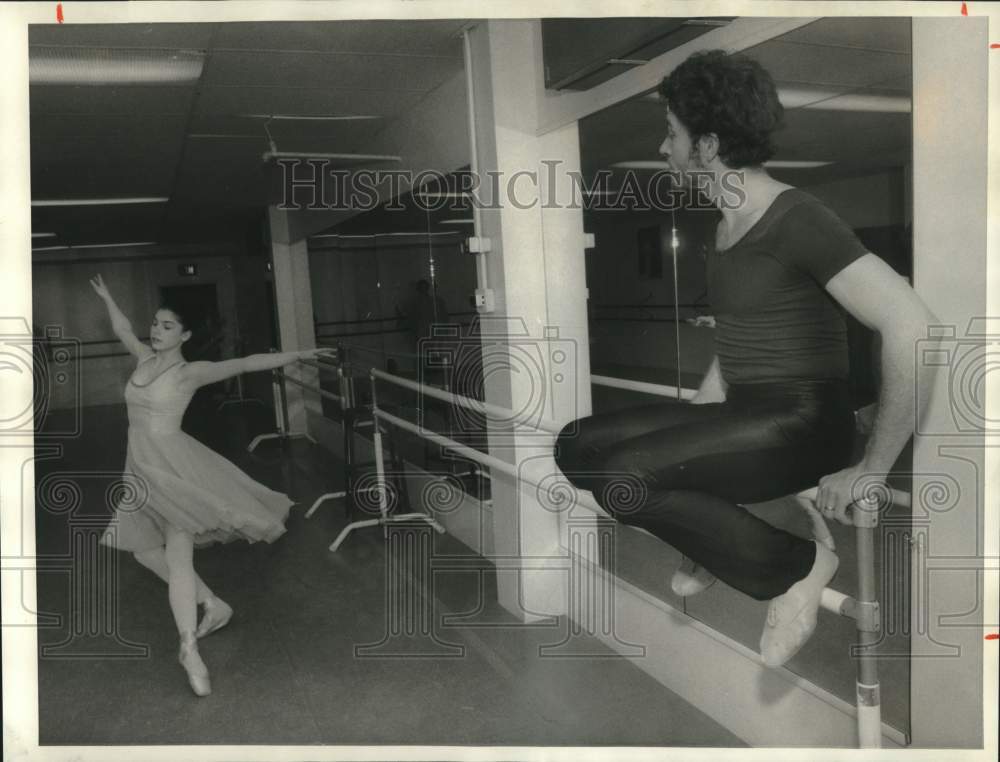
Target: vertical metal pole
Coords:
[[674, 243], [282, 399], [865, 515], [379, 465]]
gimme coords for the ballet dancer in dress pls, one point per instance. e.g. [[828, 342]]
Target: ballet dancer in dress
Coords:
[[186, 494]]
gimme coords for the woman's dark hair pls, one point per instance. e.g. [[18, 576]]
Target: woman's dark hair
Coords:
[[728, 94], [189, 322], [181, 314]]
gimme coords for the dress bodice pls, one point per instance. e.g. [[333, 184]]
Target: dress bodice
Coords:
[[159, 405]]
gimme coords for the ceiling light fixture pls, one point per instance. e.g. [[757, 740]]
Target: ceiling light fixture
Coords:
[[113, 245], [381, 235], [827, 99], [43, 235], [833, 99], [305, 118], [776, 164], [468, 221], [641, 164], [112, 66], [74, 247], [268, 155], [781, 164], [99, 201]]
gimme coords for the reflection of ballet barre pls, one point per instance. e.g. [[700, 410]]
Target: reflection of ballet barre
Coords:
[[495, 411], [642, 386], [864, 608], [374, 351]]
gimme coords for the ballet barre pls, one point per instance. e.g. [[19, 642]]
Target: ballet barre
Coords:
[[864, 607], [278, 379], [385, 519], [347, 409]]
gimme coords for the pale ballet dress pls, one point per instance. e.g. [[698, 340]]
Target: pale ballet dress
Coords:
[[173, 479]]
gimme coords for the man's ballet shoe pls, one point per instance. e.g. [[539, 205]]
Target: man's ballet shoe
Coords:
[[690, 578], [217, 615], [791, 617], [196, 670]]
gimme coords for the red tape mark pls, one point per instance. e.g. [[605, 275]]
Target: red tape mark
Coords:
[[59, 16], [965, 9], [993, 636]]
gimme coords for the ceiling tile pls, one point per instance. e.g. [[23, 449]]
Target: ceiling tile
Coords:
[[122, 100], [318, 101], [873, 33], [178, 36], [829, 66], [440, 37], [387, 73]]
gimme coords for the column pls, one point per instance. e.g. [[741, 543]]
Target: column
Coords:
[[293, 295], [950, 161], [535, 342]]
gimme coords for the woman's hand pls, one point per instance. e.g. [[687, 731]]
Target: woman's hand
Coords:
[[312, 354], [100, 288]]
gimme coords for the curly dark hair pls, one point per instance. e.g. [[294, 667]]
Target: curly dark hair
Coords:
[[730, 95]]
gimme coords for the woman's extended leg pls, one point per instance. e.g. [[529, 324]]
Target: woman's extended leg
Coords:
[[156, 561], [179, 554], [217, 611]]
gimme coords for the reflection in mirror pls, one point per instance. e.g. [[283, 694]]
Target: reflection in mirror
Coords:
[[392, 291], [846, 140]]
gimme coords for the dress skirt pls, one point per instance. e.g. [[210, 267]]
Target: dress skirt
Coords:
[[172, 479]]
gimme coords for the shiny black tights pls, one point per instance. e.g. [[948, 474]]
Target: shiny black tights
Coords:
[[682, 471]]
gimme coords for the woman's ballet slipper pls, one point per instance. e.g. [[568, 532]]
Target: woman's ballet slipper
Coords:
[[196, 670], [691, 579], [217, 615], [791, 617]]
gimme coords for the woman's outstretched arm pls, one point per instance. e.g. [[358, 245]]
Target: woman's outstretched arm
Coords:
[[203, 373], [119, 323]]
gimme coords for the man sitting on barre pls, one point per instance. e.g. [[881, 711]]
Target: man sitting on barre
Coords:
[[773, 415]]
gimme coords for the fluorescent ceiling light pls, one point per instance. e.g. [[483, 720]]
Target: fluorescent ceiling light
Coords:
[[298, 118], [112, 66], [833, 99], [641, 164], [441, 194], [311, 155], [43, 235], [95, 246], [382, 235], [779, 164], [458, 222], [827, 99], [224, 135], [114, 245], [99, 201]]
